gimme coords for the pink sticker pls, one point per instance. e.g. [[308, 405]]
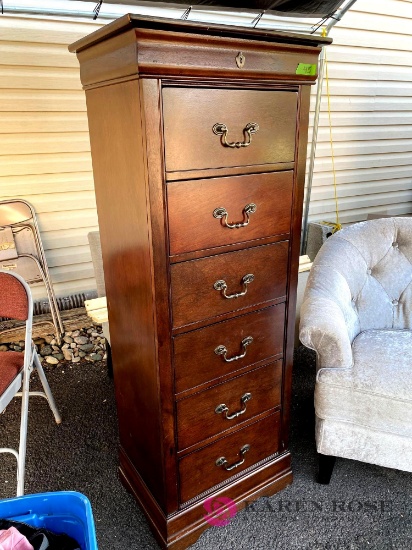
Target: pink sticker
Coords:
[[220, 510]]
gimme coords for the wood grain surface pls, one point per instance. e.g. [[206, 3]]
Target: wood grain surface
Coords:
[[198, 470], [191, 205], [190, 114], [194, 296], [197, 347], [197, 419]]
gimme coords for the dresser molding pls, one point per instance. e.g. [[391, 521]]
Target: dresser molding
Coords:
[[183, 528], [151, 267], [110, 53]]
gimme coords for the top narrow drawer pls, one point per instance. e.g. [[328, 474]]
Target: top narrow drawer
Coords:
[[195, 120]]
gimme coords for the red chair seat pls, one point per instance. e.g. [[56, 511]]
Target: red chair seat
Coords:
[[11, 363]]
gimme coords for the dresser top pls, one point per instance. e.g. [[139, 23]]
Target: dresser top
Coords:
[[131, 21]]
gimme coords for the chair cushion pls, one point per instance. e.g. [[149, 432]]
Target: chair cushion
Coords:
[[11, 363], [14, 300], [376, 392]]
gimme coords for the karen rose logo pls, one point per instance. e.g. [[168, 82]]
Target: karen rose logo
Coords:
[[220, 510]]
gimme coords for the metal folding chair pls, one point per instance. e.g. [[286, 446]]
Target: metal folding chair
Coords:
[[21, 250], [16, 367]]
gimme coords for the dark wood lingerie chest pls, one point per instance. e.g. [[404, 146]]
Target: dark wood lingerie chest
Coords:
[[198, 137]]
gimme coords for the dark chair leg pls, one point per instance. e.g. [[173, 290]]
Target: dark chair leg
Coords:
[[326, 464], [109, 360]]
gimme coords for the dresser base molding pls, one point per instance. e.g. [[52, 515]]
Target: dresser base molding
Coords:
[[180, 530]]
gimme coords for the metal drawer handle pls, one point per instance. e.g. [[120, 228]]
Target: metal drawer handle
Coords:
[[223, 462], [224, 409], [221, 350], [221, 129], [221, 212], [222, 286]]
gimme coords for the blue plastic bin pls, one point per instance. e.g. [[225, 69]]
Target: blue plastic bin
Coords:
[[61, 512]]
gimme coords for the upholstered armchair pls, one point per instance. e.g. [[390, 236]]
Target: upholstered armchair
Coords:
[[357, 316]]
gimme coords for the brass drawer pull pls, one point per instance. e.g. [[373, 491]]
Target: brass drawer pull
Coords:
[[224, 409], [221, 212], [222, 350], [222, 286], [221, 129], [223, 462]]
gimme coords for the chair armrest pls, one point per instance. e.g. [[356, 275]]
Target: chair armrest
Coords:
[[323, 328]]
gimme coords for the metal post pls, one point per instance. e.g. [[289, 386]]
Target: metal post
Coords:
[[312, 152], [337, 17]]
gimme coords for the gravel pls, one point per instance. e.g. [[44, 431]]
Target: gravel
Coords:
[[87, 343]]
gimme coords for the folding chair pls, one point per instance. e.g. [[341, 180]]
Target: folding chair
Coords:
[[15, 367], [21, 250]]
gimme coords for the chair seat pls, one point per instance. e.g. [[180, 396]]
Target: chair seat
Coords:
[[11, 364], [376, 392]]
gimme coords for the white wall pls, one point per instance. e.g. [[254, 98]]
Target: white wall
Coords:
[[44, 143], [371, 103]]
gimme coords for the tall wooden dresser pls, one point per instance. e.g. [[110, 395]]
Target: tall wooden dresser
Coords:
[[198, 137]]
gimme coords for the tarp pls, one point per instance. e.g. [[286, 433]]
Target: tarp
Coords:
[[295, 8]]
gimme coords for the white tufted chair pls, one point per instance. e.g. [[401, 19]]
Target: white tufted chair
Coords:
[[357, 316]]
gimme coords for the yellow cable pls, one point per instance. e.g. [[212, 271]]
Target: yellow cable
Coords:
[[335, 187]]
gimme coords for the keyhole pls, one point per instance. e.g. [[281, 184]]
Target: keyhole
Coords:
[[240, 60]]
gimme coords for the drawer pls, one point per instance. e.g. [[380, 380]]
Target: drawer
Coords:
[[190, 115], [195, 360], [202, 213], [224, 406], [256, 275], [199, 471]]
